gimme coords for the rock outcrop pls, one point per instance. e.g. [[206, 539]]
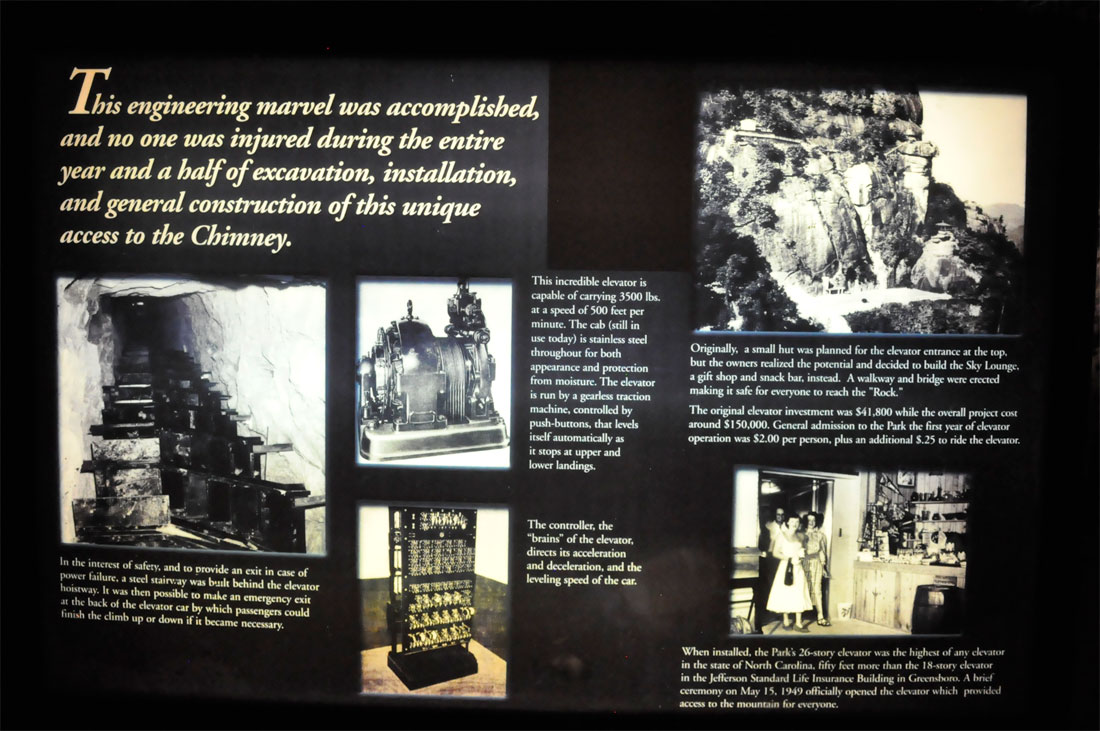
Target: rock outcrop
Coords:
[[916, 159], [1011, 216], [833, 193], [979, 221], [939, 269]]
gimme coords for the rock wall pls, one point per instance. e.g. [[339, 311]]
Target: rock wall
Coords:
[[845, 188], [916, 161], [265, 347], [939, 270], [980, 222], [85, 357], [835, 191]]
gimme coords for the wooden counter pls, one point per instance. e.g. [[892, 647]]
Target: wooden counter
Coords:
[[883, 592]]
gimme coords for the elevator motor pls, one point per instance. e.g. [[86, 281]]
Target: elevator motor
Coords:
[[422, 395]]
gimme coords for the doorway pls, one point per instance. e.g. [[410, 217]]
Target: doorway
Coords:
[[795, 494]]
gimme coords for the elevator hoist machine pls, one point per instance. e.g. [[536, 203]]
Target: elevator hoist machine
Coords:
[[423, 395]]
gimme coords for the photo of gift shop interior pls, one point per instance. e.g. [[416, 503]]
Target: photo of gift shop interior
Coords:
[[866, 552]]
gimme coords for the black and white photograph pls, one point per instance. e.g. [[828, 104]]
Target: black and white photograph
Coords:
[[848, 553], [859, 210], [192, 412], [434, 372], [433, 583]]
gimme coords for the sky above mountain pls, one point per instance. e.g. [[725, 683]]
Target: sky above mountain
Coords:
[[982, 140]]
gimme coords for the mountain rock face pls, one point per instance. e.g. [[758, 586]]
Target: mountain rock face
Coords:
[[979, 221], [916, 159], [1011, 216], [807, 194], [939, 268], [833, 186]]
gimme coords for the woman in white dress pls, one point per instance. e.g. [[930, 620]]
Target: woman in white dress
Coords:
[[794, 597]]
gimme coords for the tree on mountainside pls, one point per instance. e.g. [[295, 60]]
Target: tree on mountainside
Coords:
[[733, 280]]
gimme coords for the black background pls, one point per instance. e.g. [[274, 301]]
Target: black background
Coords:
[[622, 106]]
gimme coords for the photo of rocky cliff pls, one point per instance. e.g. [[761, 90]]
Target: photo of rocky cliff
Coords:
[[836, 211]]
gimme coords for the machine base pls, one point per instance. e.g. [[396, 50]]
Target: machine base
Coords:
[[382, 446], [421, 669]]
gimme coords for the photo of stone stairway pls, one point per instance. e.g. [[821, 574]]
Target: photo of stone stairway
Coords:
[[178, 460]]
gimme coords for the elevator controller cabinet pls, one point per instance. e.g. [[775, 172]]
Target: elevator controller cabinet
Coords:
[[431, 608]]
